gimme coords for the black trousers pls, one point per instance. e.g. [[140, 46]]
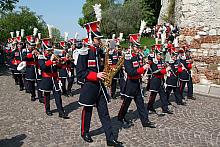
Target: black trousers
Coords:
[[18, 79], [58, 101], [70, 83], [113, 87], [142, 110], [176, 91], [189, 85], [104, 117], [163, 98], [63, 81], [39, 93], [31, 88]]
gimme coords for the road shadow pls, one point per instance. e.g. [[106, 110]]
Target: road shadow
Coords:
[[4, 71], [71, 107], [16, 141], [117, 125]]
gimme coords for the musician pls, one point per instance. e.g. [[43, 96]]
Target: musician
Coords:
[[114, 57], [32, 69], [49, 67], [133, 90], [16, 58], [93, 92], [149, 59], [185, 77], [157, 82], [63, 72], [72, 66], [172, 80]]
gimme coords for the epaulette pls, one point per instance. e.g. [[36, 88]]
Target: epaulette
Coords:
[[128, 56], [83, 51], [40, 57]]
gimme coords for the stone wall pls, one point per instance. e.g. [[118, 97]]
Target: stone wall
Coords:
[[199, 22]]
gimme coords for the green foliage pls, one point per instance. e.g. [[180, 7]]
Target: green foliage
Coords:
[[7, 5], [23, 19], [144, 42], [124, 17], [88, 11]]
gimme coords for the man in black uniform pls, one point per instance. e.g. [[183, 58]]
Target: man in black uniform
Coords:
[[114, 57], [49, 66], [133, 90], [16, 59], [185, 76], [157, 82], [93, 92], [172, 80], [32, 73]]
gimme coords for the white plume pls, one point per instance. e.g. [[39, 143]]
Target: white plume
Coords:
[[39, 35], [66, 34], [121, 36], [113, 36], [12, 34], [17, 33], [35, 31], [22, 32], [98, 12], [143, 25], [76, 35], [50, 30]]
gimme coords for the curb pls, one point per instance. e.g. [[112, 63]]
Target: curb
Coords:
[[210, 90]]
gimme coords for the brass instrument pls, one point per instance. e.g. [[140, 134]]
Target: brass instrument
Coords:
[[109, 71]]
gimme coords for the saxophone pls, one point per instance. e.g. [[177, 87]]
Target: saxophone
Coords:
[[111, 72]]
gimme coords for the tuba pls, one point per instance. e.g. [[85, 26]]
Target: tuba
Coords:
[[111, 72]]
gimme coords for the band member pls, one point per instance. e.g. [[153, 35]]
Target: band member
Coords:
[[32, 73], [149, 59], [133, 90], [185, 77], [157, 82], [93, 92], [16, 58], [172, 80], [114, 57], [49, 67], [63, 72]]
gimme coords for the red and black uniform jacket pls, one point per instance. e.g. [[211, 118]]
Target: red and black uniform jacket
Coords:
[[88, 65], [186, 74], [134, 69], [173, 74]]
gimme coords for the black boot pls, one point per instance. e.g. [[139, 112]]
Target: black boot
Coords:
[[125, 123], [148, 124], [33, 98], [114, 143], [49, 113], [63, 115], [87, 137], [21, 88], [168, 111]]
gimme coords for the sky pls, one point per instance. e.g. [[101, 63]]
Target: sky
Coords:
[[63, 14]]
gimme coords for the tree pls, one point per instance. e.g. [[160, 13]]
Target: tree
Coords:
[[88, 11], [23, 19], [118, 16], [7, 5]]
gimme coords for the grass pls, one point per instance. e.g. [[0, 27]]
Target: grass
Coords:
[[144, 42]]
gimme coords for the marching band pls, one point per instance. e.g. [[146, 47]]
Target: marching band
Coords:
[[37, 65]]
